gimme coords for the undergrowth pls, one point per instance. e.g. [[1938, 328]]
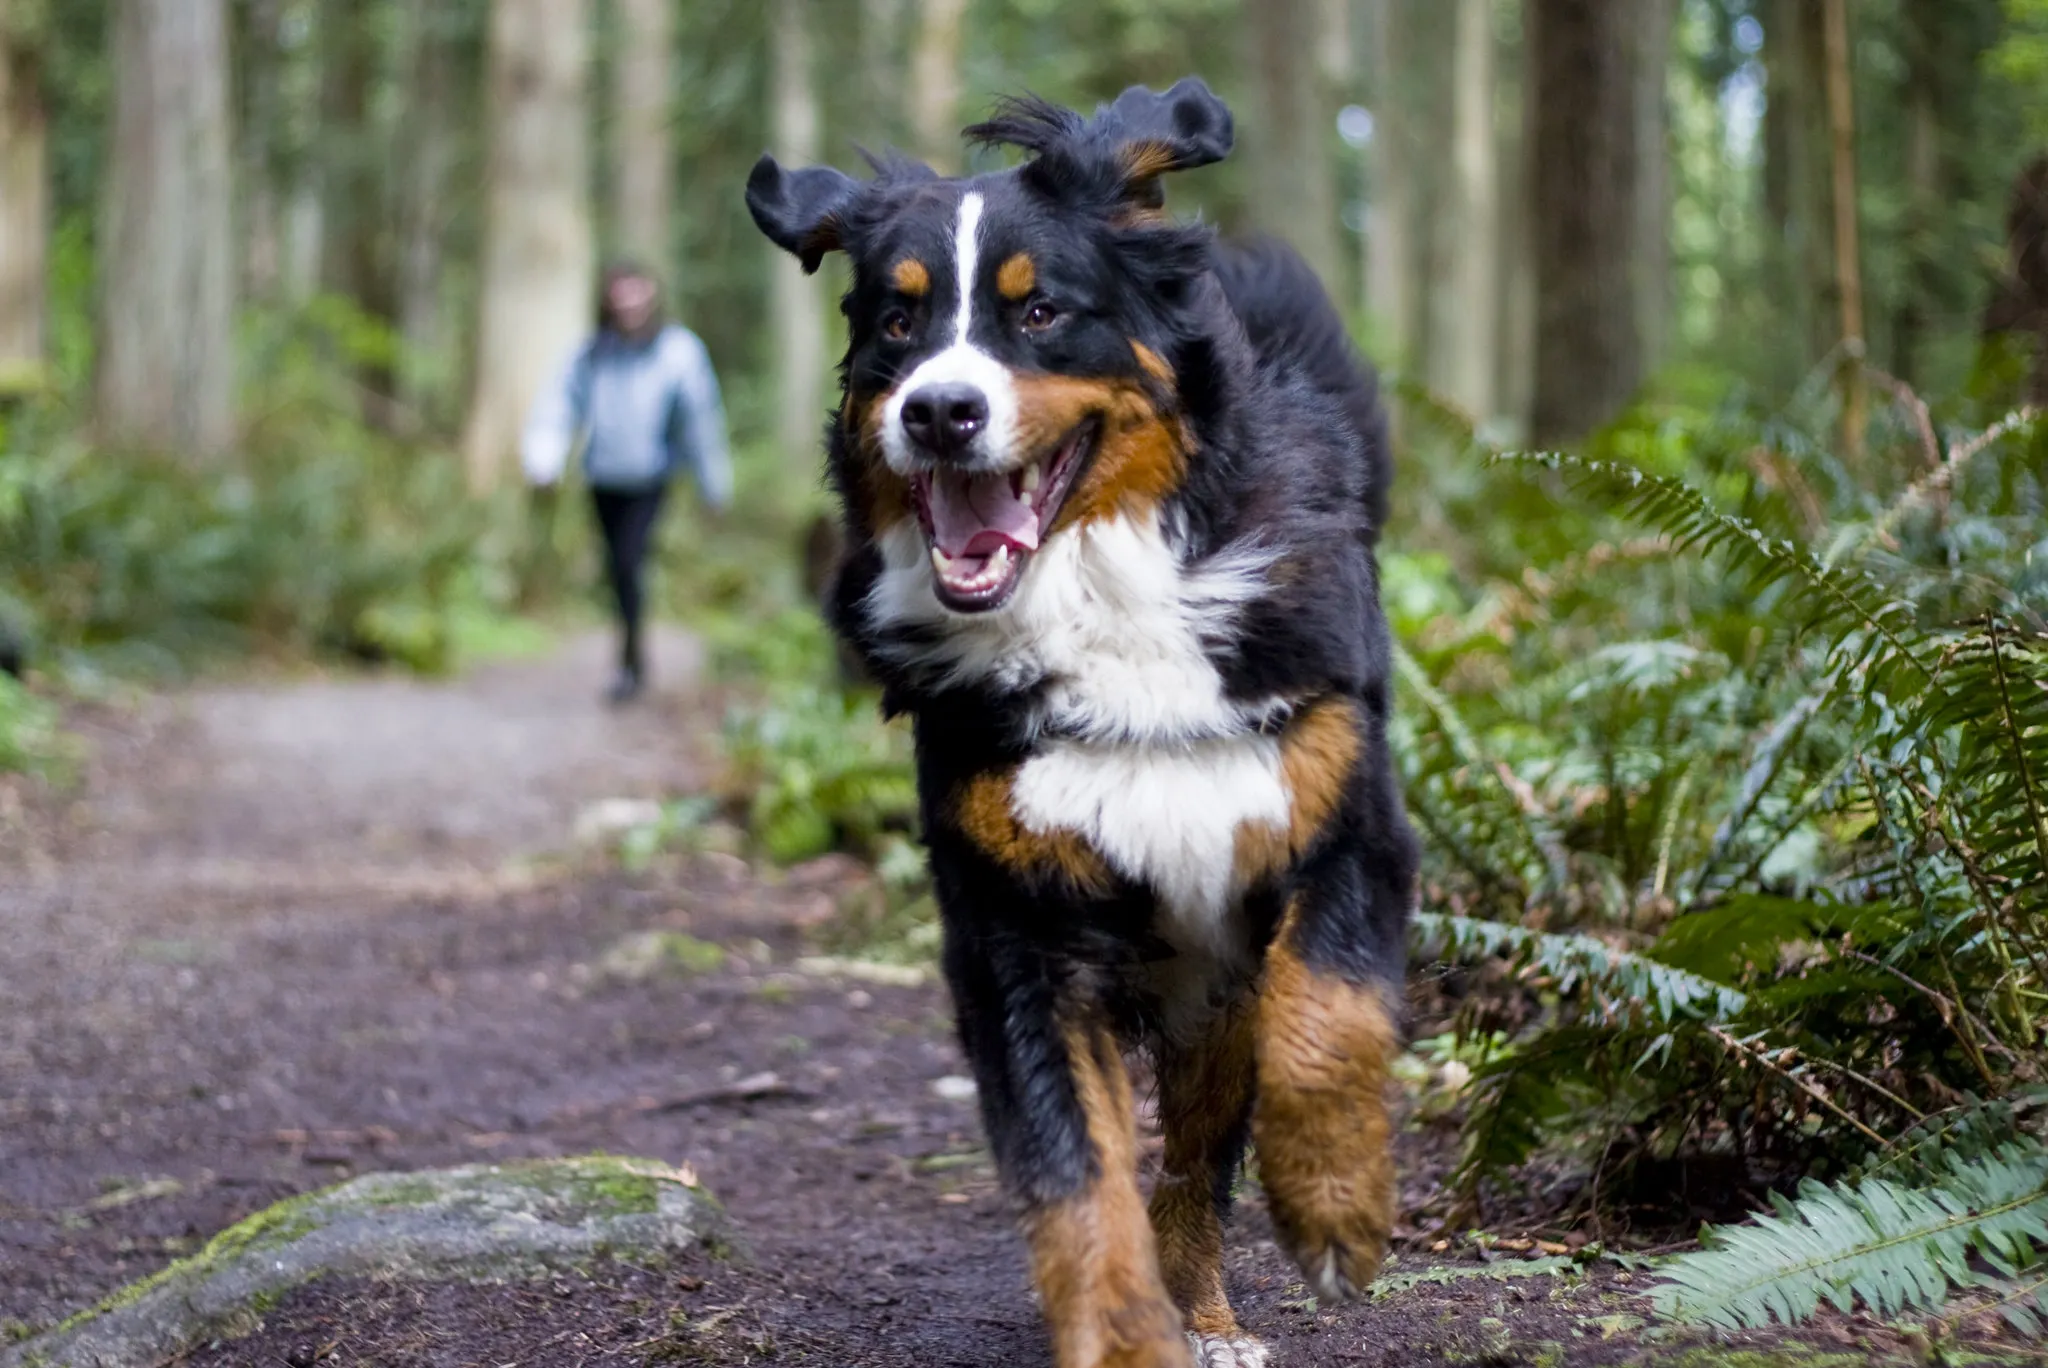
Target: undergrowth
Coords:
[[1729, 761]]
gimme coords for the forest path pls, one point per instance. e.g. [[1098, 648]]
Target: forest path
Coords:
[[288, 931]]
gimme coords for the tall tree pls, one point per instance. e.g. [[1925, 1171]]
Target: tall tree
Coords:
[[355, 195], [1848, 252], [1653, 282], [166, 354], [1464, 326], [935, 82], [24, 194], [1584, 163], [799, 308], [1795, 168], [538, 256], [643, 142], [440, 92], [1389, 267], [1294, 177]]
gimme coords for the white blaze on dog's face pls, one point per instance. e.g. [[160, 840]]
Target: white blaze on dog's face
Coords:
[[1008, 372]]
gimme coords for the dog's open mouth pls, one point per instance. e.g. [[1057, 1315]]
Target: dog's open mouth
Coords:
[[983, 528]]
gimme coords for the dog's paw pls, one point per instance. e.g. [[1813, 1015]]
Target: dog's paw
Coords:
[[1228, 1351], [1340, 1268]]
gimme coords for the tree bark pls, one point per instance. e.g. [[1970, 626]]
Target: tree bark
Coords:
[[1389, 268], [425, 211], [1294, 181], [166, 355], [1653, 183], [1584, 164], [1848, 256], [538, 269], [798, 305], [935, 82], [24, 201], [881, 67], [1795, 174], [1464, 328], [643, 140]]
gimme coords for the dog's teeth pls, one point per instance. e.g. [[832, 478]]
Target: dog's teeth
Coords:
[[999, 561], [941, 562], [1034, 475], [1027, 498]]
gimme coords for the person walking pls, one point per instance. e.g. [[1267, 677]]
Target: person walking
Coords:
[[642, 398]]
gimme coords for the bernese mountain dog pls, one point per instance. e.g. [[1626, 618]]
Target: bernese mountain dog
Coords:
[[1111, 489]]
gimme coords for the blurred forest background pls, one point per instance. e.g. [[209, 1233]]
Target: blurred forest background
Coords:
[[1727, 730]]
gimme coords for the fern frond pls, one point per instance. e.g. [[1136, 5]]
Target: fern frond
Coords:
[[1620, 982], [1891, 1247], [1844, 597]]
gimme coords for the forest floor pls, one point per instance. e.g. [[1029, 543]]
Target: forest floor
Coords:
[[287, 931]]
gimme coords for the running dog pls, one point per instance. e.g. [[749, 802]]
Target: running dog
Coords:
[[1111, 491]]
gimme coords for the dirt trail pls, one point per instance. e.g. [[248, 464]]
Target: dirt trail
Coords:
[[289, 932]]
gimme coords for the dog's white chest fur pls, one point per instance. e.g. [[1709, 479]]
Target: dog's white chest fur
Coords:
[[1163, 816], [1146, 756]]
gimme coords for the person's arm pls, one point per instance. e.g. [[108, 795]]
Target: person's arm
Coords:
[[554, 423], [699, 438]]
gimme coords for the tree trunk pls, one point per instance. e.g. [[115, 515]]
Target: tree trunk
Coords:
[[166, 355], [935, 82], [24, 202], [643, 141], [883, 109], [1848, 256], [352, 188], [1584, 166], [1294, 181], [537, 273], [1653, 182], [1795, 174], [799, 307], [426, 361], [1389, 272], [1464, 327], [1515, 385]]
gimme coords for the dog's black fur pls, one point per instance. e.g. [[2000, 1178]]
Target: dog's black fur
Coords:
[[1233, 360]]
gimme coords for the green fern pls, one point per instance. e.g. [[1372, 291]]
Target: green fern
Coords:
[[1844, 598], [1894, 1249], [1617, 981]]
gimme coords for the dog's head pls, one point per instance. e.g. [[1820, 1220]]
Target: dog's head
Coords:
[[1010, 368]]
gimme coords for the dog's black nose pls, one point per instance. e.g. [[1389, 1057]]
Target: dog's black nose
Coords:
[[944, 418]]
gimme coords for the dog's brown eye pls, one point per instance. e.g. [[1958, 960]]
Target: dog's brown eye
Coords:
[[1040, 316], [896, 325]]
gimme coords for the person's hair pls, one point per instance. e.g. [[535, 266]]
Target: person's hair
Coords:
[[624, 268]]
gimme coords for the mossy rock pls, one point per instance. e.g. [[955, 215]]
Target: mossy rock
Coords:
[[478, 1223]]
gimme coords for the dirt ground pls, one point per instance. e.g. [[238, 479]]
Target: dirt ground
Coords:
[[286, 932]]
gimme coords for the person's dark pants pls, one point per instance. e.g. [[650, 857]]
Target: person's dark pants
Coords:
[[627, 518]]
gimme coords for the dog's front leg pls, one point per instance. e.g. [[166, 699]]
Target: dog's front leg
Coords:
[[1057, 1103], [1325, 1034]]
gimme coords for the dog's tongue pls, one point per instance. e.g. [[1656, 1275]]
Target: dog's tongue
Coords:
[[973, 515]]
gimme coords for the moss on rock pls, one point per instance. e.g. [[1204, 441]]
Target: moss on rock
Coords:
[[480, 1222]]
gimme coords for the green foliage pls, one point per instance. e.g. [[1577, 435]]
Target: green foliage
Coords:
[[1731, 790], [29, 739], [1894, 1249]]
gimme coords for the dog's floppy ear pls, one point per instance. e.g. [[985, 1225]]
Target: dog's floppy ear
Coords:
[[1123, 151], [1183, 128], [802, 212]]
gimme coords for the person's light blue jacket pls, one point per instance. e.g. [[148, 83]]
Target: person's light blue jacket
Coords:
[[640, 409]]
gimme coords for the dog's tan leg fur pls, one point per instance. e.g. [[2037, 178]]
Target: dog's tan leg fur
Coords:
[[1092, 1255], [1320, 1126]]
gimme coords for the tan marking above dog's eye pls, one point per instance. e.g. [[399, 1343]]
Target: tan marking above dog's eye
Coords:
[[910, 277], [1016, 277]]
